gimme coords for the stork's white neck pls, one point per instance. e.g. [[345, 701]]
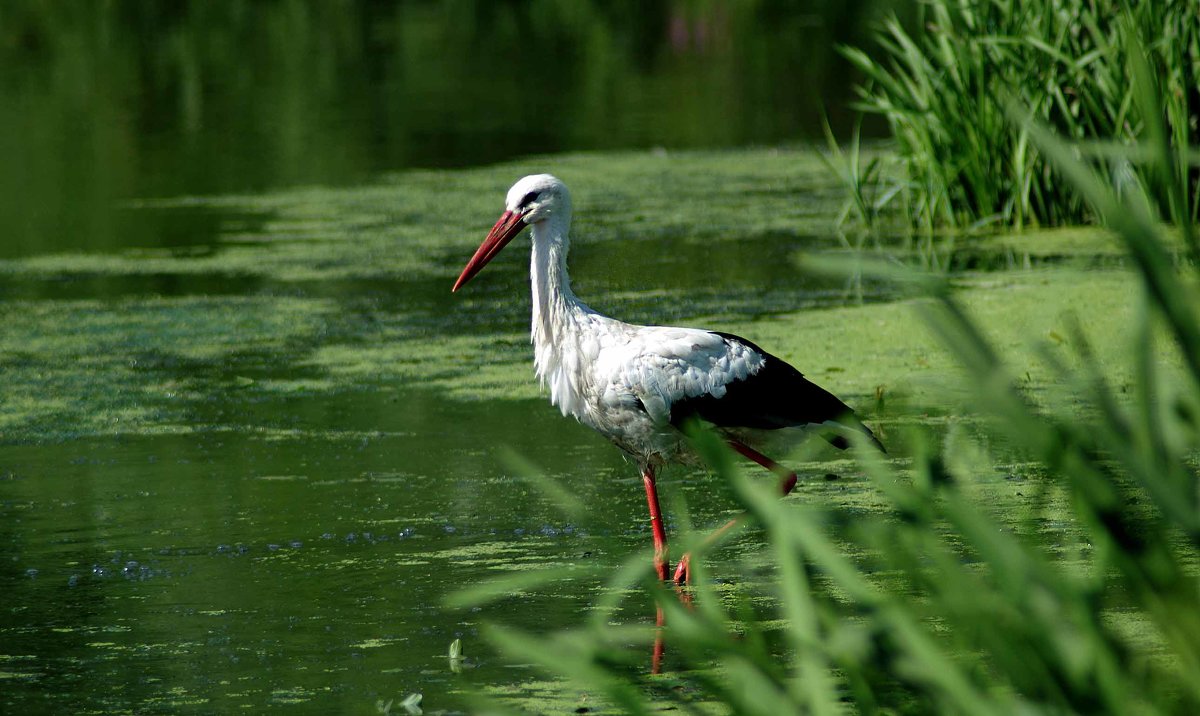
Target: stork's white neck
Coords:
[[556, 314]]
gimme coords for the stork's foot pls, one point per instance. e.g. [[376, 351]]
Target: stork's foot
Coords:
[[683, 574]]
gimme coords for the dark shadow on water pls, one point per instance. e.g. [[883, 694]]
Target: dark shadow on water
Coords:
[[85, 286]]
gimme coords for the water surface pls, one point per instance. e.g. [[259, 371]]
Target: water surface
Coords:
[[247, 469], [247, 466]]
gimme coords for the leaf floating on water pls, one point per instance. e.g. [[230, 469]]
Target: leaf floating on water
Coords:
[[412, 703], [242, 381]]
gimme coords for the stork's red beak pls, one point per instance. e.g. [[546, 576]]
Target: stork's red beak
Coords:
[[507, 227]]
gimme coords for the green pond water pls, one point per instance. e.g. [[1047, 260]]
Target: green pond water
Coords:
[[245, 468]]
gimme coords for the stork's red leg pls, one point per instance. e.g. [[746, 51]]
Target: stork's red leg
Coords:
[[786, 483], [787, 477], [656, 524]]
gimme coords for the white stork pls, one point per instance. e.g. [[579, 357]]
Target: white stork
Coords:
[[636, 385]]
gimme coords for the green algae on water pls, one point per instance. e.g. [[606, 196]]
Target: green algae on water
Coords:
[[412, 223]]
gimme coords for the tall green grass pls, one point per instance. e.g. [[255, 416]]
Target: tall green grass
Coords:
[[936, 606], [944, 87]]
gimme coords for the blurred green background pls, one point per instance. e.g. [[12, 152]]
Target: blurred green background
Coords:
[[110, 100]]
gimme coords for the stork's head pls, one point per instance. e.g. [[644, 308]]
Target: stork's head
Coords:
[[532, 200]]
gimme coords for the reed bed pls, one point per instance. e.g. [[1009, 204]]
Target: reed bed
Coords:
[[944, 88]]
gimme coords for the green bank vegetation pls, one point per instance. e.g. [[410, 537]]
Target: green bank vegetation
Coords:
[[945, 86]]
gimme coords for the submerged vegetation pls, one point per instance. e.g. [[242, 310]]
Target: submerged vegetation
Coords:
[[945, 89]]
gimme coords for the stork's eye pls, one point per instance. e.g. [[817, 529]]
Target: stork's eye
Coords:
[[528, 199]]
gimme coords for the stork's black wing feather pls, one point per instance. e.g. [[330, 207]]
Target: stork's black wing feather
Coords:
[[777, 396]]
